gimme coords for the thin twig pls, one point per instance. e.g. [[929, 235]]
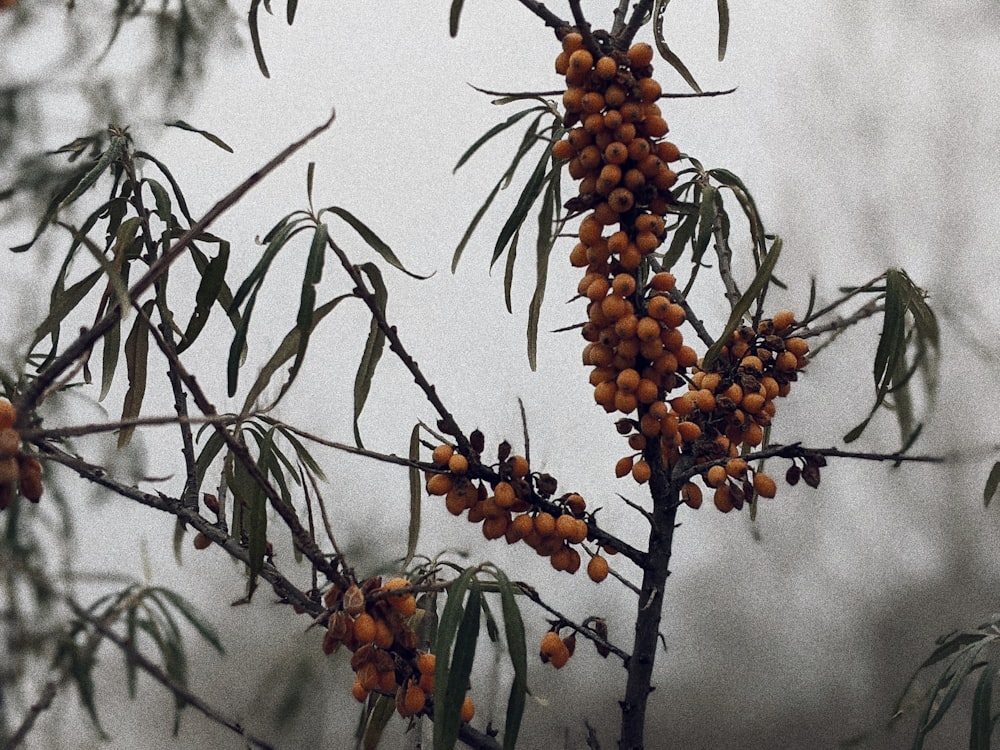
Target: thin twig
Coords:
[[136, 657], [53, 433], [550, 18], [529, 592], [639, 13]]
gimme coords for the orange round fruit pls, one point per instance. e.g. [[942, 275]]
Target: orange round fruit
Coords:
[[624, 466], [723, 499], [468, 709], [8, 414], [439, 484], [640, 55], [641, 472], [691, 495], [597, 569], [364, 628], [606, 67], [764, 485], [545, 524], [442, 454], [716, 476], [458, 464]]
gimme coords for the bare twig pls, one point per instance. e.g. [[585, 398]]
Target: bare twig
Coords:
[[584, 631], [639, 13], [550, 18]]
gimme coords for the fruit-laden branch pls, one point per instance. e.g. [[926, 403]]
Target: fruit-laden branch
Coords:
[[568, 622], [33, 394], [135, 657], [97, 475]]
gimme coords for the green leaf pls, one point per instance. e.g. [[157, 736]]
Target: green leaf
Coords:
[[181, 202], [63, 302], [723, 28], [489, 134], [204, 133], [290, 11], [891, 343], [543, 249], [447, 709], [706, 222], [287, 349], [508, 271], [187, 610], [756, 287], [416, 495], [948, 686], [373, 348], [665, 51], [109, 359], [381, 714], [992, 482], [258, 51], [114, 151], [682, 235], [532, 189], [136, 353], [453, 16], [467, 235], [208, 453], [980, 737], [518, 650], [373, 240], [307, 298], [213, 279]]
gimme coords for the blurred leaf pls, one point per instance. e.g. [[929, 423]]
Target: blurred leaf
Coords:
[[947, 688], [258, 51], [81, 670], [373, 348], [136, 353], [178, 195], [373, 240], [187, 610], [114, 151], [61, 304], [980, 737], [109, 359], [285, 351], [416, 494], [208, 453], [661, 44], [290, 11], [723, 28], [213, 138], [992, 482], [381, 713], [758, 284], [453, 16]]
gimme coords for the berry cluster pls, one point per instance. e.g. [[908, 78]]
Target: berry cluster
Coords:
[[375, 626], [555, 650], [18, 472], [504, 507]]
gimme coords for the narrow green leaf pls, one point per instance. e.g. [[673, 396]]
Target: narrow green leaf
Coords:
[[980, 737], [208, 453], [467, 235], [489, 134], [948, 686], [287, 349], [447, 628], [213, 278], [373, 348], [416, 495], [109, 359], [682, 235], [131, 670], [373, 240], [756, 287], [307, 298], [180, 124], [290, 11], [62, 304], [379, 718], [992, 482], [174, 185], [81, 670], [453, 16], [723, 28], [532, 190], [205, 629], [114, 151], [164, 208], [508, 271], [136, 353], [258, 51], [543, 249], [447, 719], [665, 51], [518, 650], [706, 222], [891, 341]]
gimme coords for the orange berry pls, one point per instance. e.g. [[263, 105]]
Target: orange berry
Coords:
[[716, 476], [615, 95], [364, 628], [572, 42], [649, 90], [723, 499], [442, 454], [641, 472], [628, 380], [752, 403], [684, 404], [783, 319], [580, 61], [439, 484], [383, 635], [797, 346], [468, 709], [522, 525], [606, 67], [764, 485], [358, 691], [691, 494], [624, 466], [597, 569], [736, 467], [647, 391], [754, 435], [640, 55], [687, 357], [414, 700], [519, 466], [504, 494], [545, 524], [616, 153], [201, 541], [668, 151], [458, 464], [563, 150], [705, 399], [648, 329], [689, 431], [8, 414]]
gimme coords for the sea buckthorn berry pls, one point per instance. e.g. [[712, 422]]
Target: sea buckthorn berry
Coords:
[[545, 524], [786, 362], [593, 123], [494, 527], [573, 98], [625, 133], [458, 464], [687, 357], [519, 466], [578, 138], [426, 663], [650, 166], [649, 90], [691, 495], [705, 399], [581, 60], [631, 112], [783, 320], [736, 467], [522, 525], [752, 403], [9, 470], [665, 179], [563, 150], [612, 118], [8, 414], [551, 643], [734, 393], [610, 176], [689, 431], [468, 710], [616, 153], [383, 635], [640, 55], [628, 380], [414, 700], [614, 95], [663, 282], [668, 151], [504, 494], [626, 403], [639, 149], [716, 476], [764, 485], [647, 391], [576, 504], [562, 63], [576, 169], [606, 67], [358, 691], [201, 541], [590, 157], [633, 179], [723, 499], [630, 257], [624, 466], [441, 455], [797, 346], [597, 569], [684, 404], [648, 329], [589, 231], [655, 127], [439, 484], [754, 435], [641, 471], [624, 284], [364, 628], [649, 223], [770, 386], [10, 442], [592, 103], [572, 42]]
